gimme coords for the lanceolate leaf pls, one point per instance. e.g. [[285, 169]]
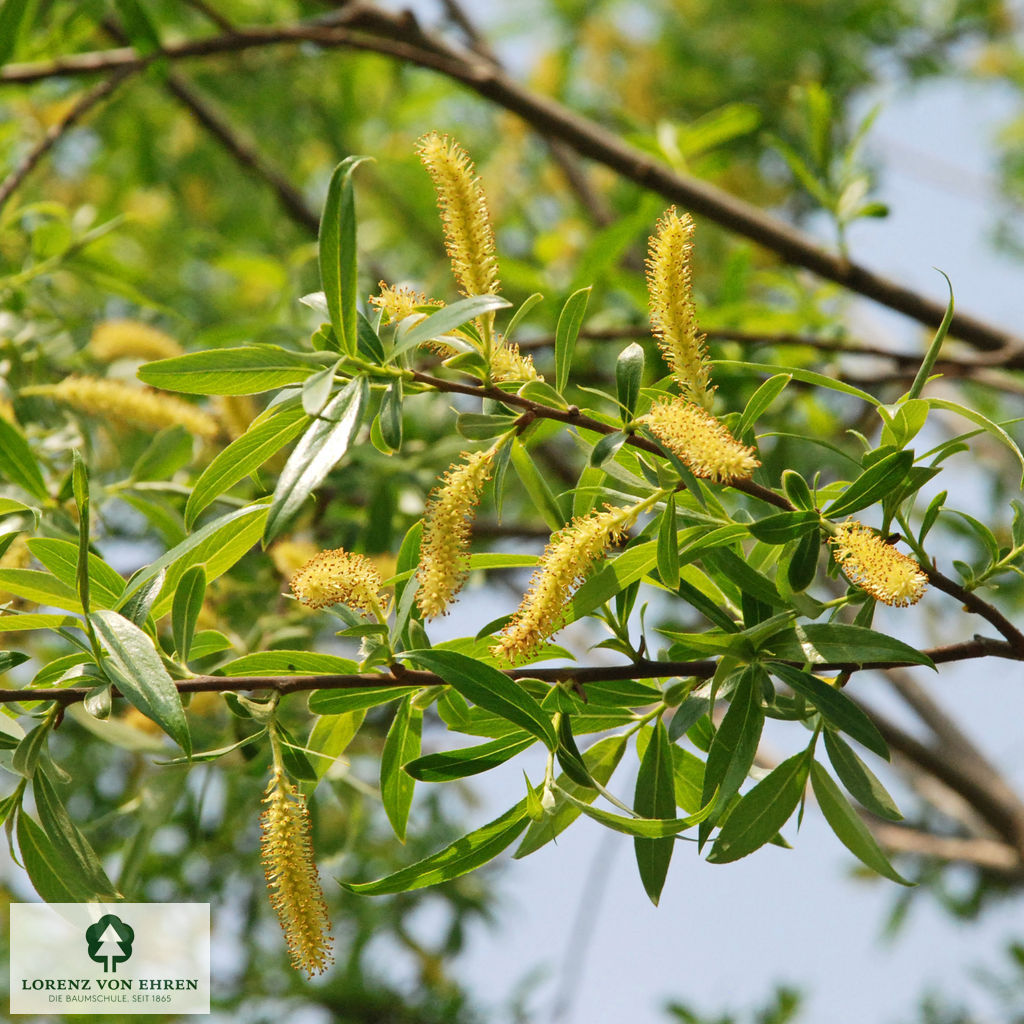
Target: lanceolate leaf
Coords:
[[446, 319], [655, 798], [245, 455], [52, 876], [462, 856], [135, 668], [847, 825], [489, 689], [645, 828], [762, 812], [459, 764], [18, 464], [401, 745], [735, 743], [230, 371], [188, 601], [566, 333], [338, 253], [859, 780], [874, 483], [318, 451], [820, 642]]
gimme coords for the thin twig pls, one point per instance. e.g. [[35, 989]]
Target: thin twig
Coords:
[[988, 854], [86, 102], [365, 27]]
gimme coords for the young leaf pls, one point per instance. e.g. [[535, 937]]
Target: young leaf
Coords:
[[446, 319], [566, 333], [462, 856], [629, 372], [761, 400], [135, 668], [655, 798], [318, 451], [874, 483], [337, 253], [847, 825], [760, 814], [188, 601], [402, 744]]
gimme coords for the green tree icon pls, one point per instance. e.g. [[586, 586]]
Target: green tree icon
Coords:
[[110, 942]]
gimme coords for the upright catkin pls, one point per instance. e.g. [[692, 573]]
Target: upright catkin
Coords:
[[292, 878], [468, 233], [673, 313], [565, 564], [444, 549]]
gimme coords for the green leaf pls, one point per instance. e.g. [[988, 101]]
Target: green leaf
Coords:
[[337, 253], [336, 702], [655, 798], [462, 856], [267, 435], [859, 780], [9, 505], [402, 744], [40, 587], [643, 828], [877, 481], [517, 317], [629, 372], [50, 874], [735, 743], [607, 447], [536, 487], [569, 756], [247, 370], [566, 333], [928, 363], [476, 426], [761, 400], [289, 663], [137, 608], [135, 668], [734, 568], [797, 373], [17, 463], [982, 421], [836, 707], [446, 319], [169, 451], [390, 415], [803, 564], [759, 815], [796, 489], [19, 623], [330, 736], [72, 847], [489, 689], [784, 526], [460, 764], [835, 642], [317, 452], [847, 825], [61, 558], [188, 601], [26, 754]]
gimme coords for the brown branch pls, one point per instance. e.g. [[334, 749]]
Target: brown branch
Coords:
[[975, 604], [86, 102], [987, 854], [361, 26]]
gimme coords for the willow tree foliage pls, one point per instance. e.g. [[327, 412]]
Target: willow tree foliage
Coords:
[[254, 559]]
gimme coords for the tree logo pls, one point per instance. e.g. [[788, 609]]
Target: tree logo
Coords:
[[110, 942]]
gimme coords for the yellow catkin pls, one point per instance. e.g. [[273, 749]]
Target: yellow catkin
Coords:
[[468, 234], [444, 550], [700, 441], [339, 577], [120, 339], [133, 406], [236, 412], [873, 565], [565, 564], [508, 363], [673, 315], [397, 303], [289, 556], [292, 877]]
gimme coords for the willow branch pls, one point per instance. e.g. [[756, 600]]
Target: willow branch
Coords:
[[364, 27], [987, 854], [86, 102], [975, 604]]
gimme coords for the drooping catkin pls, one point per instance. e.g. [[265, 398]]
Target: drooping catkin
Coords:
[[119, 339], [339, 577], [286, 845], [468, 233], [875, 566], [133, 406], [700, 441], [444, 549], [565, 564], [673, 314]]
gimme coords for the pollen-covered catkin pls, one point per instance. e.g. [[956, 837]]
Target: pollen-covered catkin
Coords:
[[292, 877], [468, 233], [565, 564], [673, 314], [444, 550], [130, 405], [339, 577], [877, 567], [700, 441]]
